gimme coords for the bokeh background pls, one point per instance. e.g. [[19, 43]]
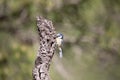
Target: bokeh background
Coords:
[[91, 31]]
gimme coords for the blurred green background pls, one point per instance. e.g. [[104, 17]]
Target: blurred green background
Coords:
[[91, 38]]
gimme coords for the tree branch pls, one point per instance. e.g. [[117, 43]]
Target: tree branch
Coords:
[[47, 47]]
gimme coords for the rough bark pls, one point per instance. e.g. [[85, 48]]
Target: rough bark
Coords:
[[46, 50]]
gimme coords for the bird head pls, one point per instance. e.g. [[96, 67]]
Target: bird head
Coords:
[[59, 35]]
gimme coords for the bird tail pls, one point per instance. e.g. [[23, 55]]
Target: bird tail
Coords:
[[60, 53]]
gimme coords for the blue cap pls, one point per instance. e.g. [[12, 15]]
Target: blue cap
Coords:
[[60, 35]]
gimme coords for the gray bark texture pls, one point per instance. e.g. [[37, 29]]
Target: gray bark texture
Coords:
[[46, 50]]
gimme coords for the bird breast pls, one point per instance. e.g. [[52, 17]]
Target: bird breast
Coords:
[[59, 41]]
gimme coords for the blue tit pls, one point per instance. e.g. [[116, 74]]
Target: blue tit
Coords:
[[59, 40]]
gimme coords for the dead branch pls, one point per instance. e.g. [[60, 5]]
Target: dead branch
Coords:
[[46, 50]]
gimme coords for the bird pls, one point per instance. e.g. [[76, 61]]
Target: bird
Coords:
[[59, 42]]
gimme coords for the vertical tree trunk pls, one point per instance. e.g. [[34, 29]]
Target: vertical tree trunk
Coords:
[[47, 47]]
